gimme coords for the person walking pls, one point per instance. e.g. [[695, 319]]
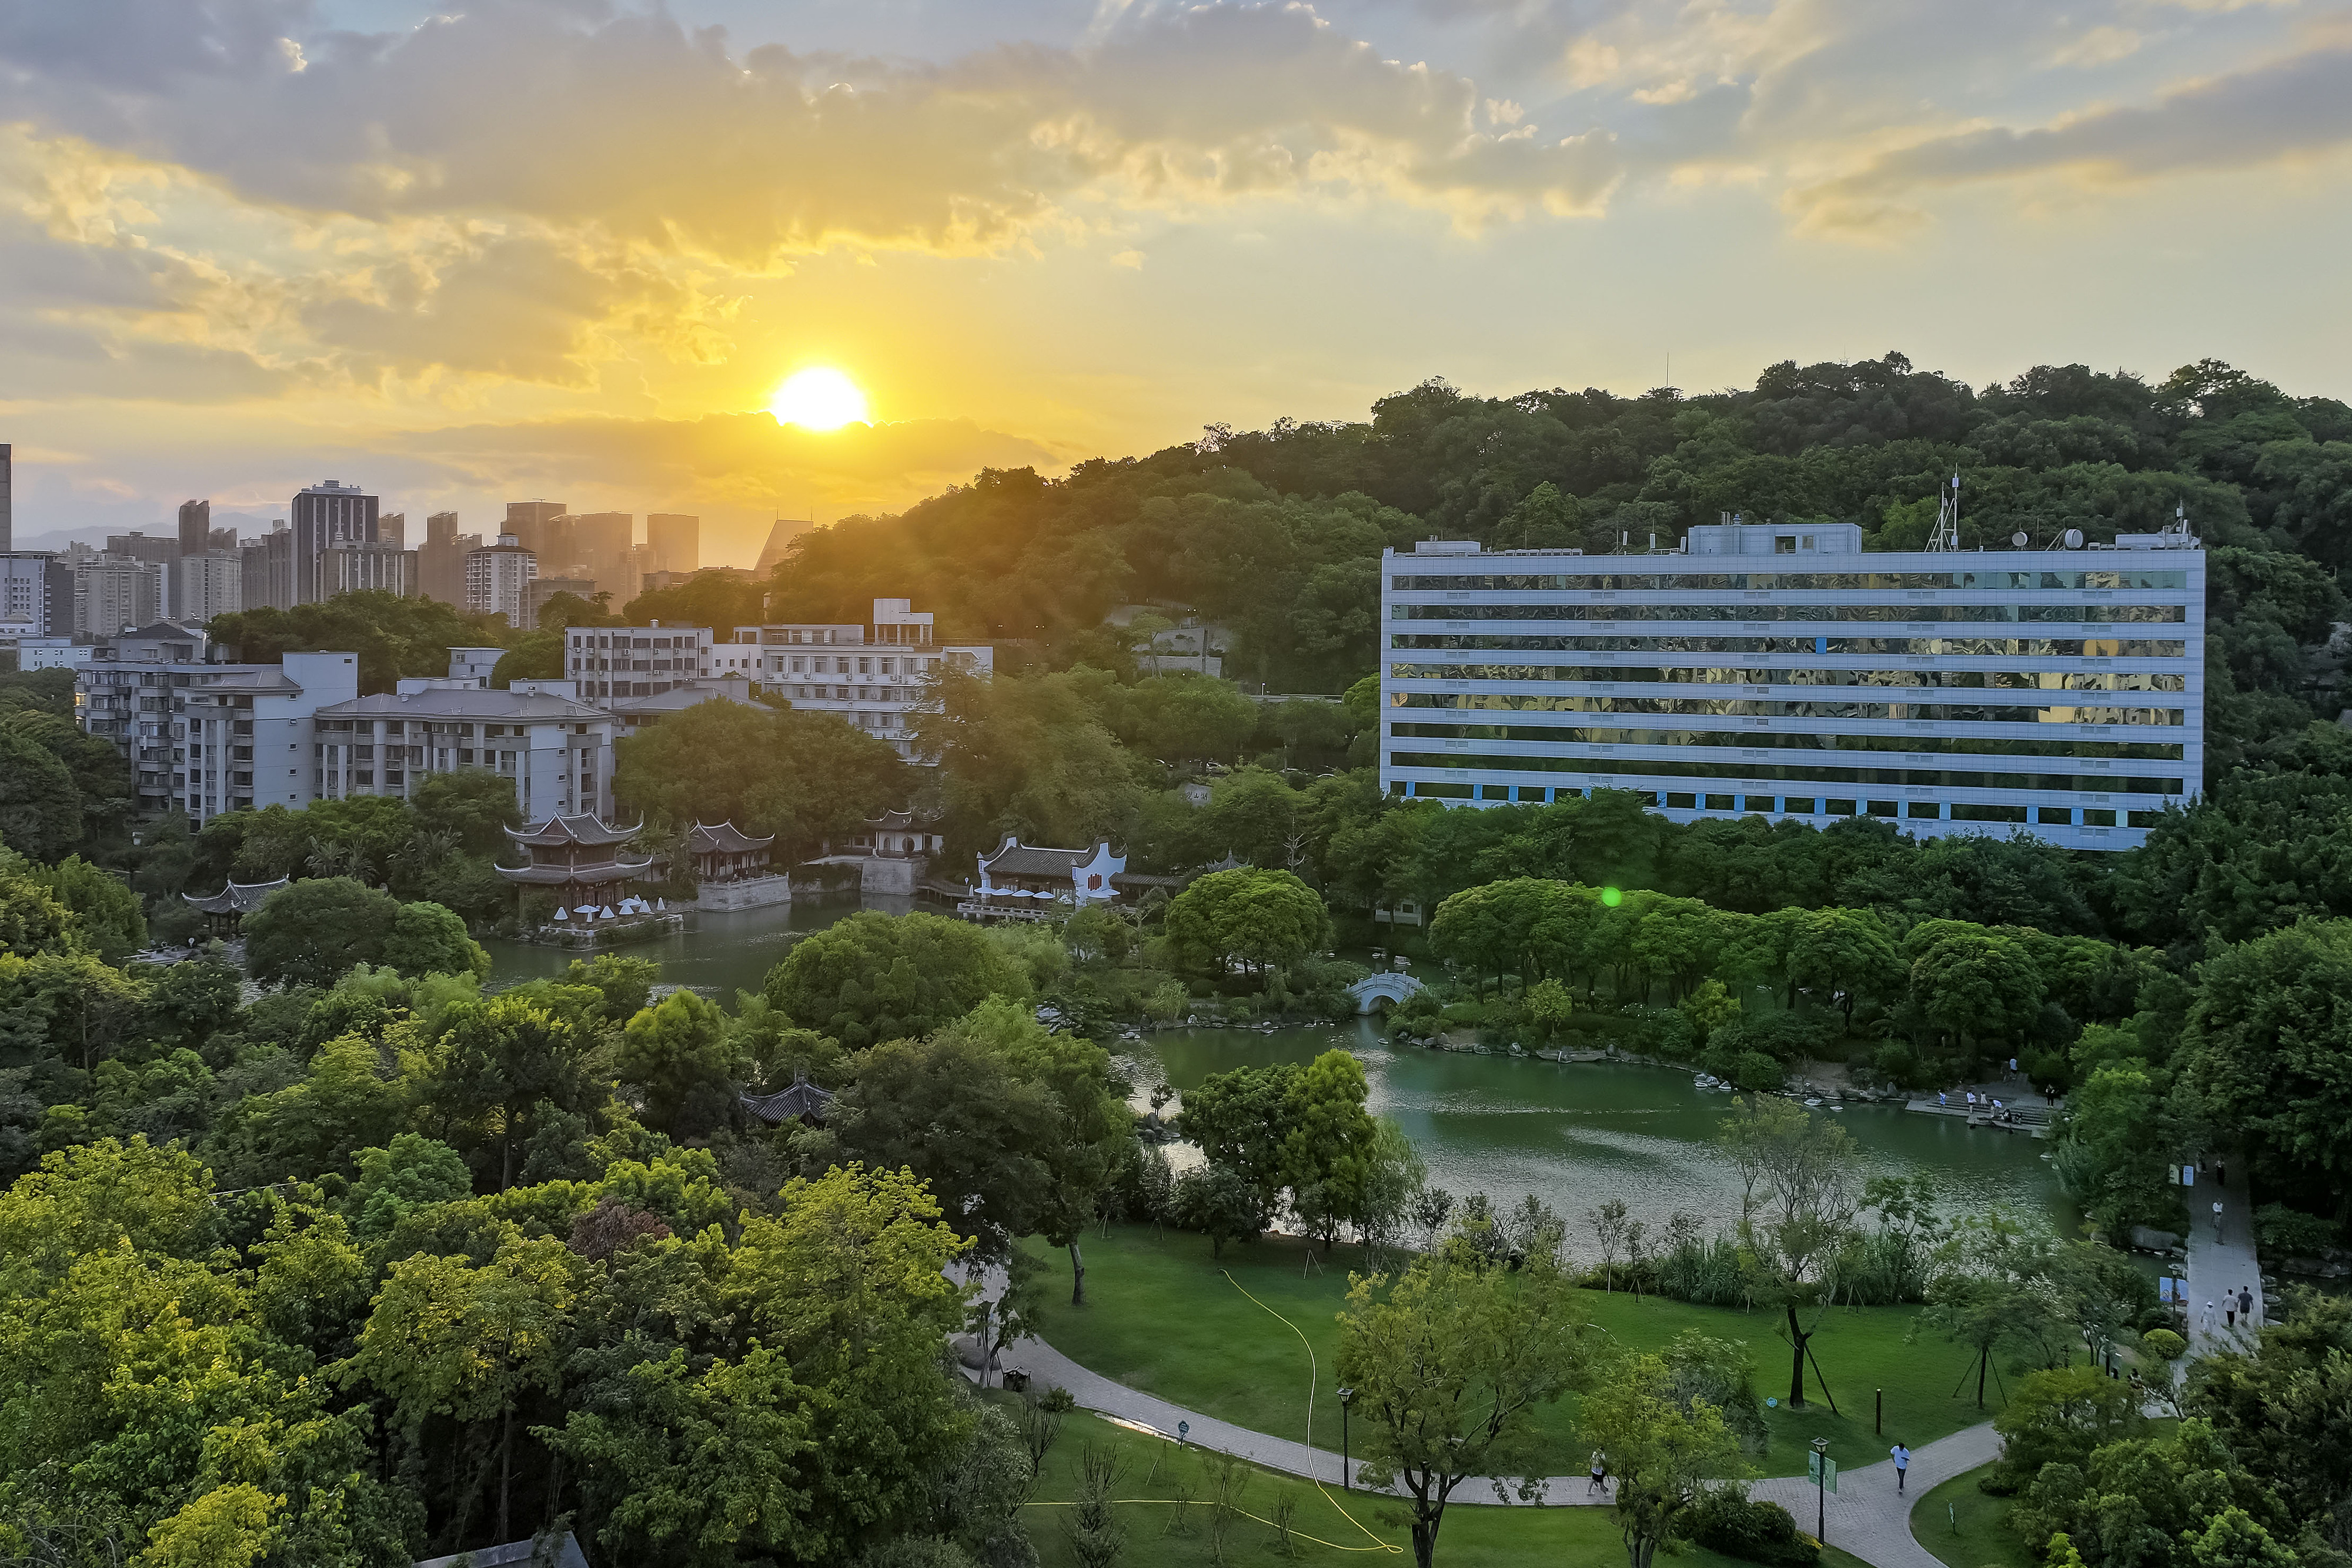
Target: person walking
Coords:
[[2217, 1219], [2246, 1306], [2229, 1309], [1901, 1455], [1600, 1482], [2207, 1322], [2220, 1173], [1941, 1100]]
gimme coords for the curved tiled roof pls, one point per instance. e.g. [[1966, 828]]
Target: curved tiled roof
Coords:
[[724, 838], [803, 1100], [582, 828], [587, 875], [234, 898]]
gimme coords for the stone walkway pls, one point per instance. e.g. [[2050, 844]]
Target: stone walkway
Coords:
[[2219, 1264], [1867, 1517]]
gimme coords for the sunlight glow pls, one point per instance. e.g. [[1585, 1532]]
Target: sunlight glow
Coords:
[[818, 397]]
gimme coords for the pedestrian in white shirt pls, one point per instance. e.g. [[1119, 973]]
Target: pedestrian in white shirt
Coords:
[[1901, 1458]]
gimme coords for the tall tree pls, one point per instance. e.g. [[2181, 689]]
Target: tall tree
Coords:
[[1792, 1239]]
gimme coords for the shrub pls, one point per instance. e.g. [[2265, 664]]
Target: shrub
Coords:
[[2164, 1345], [1898, 1064], [1729, 1521], [2292, 1232]]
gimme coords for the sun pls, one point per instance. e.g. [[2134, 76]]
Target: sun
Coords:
[[819, 398]]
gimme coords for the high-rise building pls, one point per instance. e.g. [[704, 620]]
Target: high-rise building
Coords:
[[195, 527], [441, 562], [1784, 671], [771, 554], [600, 541], [392, 529], [7, 496], [677, 540], [113, 592], [382, 567], [498, 579], [529, 522], [209, 583], [27, 579], [155, 550], [268, 570], [221, 538], [327, 515]]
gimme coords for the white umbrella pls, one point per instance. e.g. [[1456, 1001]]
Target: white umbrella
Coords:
[[559, 911], [608, 913]]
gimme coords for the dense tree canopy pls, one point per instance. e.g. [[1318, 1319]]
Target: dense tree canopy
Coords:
[[803, 776], [877, 976]]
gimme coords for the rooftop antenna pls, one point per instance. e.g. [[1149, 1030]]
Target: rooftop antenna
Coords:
[[1947, 516]]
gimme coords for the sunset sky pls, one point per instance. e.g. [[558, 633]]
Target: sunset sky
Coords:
[[512, 249]]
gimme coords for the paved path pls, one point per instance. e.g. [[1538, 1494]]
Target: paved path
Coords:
[[1867, 1517], [2222, 1263]]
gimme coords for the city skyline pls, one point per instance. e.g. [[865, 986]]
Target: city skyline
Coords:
[[1034, 233]]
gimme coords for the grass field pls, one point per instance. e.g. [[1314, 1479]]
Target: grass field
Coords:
[[1472, 1537], [1967, 1528], [1162, 1317]]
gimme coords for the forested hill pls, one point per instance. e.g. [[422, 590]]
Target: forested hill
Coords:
[[1278, 532]]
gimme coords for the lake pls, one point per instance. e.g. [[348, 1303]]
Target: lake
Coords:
[[1574, 1135]]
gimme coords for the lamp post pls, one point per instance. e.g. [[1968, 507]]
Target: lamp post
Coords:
[[1821, 1496], [1347, 1397]]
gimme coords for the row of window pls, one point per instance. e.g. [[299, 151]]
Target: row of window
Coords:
[[1817, 806], [2160, 580], [1769, 707], [841, 664], [1903, 647], [1694, 674], [1762, 615], [1762, 772]]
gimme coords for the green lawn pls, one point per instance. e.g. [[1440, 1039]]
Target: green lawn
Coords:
[[1164, 1318], [1473, 1536], [1967, 1528]]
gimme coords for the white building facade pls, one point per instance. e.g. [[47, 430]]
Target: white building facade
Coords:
[[556, 752], [498, 579], [609, 662], [243, 737], [1784, 672], [873, 675]]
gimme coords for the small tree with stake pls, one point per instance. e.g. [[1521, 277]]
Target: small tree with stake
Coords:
[[1448, 1367], [1791, 1239]]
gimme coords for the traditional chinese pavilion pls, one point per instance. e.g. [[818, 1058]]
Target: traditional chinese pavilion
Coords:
[[579, 859], [1030, 882], [229, 907], [804, 1103], [726, 853]]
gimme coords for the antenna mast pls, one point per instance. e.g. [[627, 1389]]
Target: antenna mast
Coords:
[[1947, 516]]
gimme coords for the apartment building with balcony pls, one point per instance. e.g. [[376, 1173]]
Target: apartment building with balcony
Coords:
[[557, 752], [1785, 672], [613, 661], [874, 675]]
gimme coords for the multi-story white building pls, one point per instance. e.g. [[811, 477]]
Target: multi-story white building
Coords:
[[32, 585], [556, 752], [610, 661], [873, 675], [1785, 672], [242, 735], [498, 579], [207, 739], [113, 592]]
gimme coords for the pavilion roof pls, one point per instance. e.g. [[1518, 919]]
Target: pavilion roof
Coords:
[[724, 838], [803, 1101], [581, 875], [584, 828], [1013, 858], [234, 898]]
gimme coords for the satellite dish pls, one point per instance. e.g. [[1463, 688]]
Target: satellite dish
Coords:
[[2074, 538], [2018, 539]]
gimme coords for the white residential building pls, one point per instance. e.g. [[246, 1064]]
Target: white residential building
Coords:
[[111, 593], [556, 752], [242, 735], [1783, 671], [498, 579], [31, 585], [208, 583], [613, 662], [475, 666], [874, 675]]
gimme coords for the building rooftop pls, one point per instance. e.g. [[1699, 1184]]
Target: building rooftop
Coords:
[[1013, 858], [235, 898], [582, 830], [724, 838], [463, 702]]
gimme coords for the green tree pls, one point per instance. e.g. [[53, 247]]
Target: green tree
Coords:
[[1793, 1235], [880, 977], [679, 1053], [1328, 1142], [40, 809], [803, 776], [1846, 958], [1240, 1119], [471, 805], [1450, 1363], [1975, 985], [1221, 1204], [427, 939], [107, 915], [1663, 1446], [2259, 1055], [500, 1070], [311, 932], [1255, 919]]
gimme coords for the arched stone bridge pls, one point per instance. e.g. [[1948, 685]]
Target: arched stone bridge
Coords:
[[1390, 985]]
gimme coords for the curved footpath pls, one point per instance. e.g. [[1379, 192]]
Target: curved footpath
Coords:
[[1867, 1516]]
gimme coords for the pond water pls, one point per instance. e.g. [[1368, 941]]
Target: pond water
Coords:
[[1574, 1135]]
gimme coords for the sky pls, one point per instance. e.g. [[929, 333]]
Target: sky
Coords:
[[566, 249]]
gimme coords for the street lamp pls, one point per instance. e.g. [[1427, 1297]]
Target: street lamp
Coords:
[[1820, 1497], [1347, 1397]]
